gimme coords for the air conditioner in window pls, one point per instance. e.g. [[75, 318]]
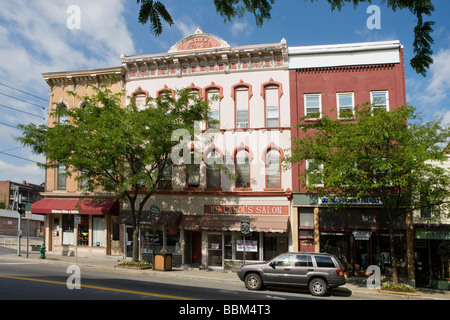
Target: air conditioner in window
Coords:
[[242, 125]]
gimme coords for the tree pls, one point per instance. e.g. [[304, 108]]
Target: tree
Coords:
[[153, 11], [376, 154], [117, 149]]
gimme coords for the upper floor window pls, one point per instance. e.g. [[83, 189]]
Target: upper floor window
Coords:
[[379, 100], [313, 105], [272, 102], [61, 177], [345, 104], [273, 169], [242, 163], [165, 181], [314, 175], [213, 95], [242, 106], [62, 114], [193, 171], [213, 172]]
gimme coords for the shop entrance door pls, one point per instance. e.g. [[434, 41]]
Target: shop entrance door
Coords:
[[196, 246], [128, 242], [215, 250]]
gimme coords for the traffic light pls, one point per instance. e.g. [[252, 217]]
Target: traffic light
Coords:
[[21, 209]]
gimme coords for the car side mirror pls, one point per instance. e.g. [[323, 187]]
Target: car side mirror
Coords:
[[272, 264]]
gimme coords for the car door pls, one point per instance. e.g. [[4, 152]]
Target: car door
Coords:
[[278, 271], [302, 266]]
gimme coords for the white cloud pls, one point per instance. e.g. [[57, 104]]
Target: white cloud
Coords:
[[239, 27], [35, 38], [439, 87]]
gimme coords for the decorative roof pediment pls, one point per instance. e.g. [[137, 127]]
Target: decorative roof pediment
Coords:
[[199, 41]]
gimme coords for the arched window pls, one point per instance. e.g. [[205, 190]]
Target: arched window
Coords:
[[193, 170], [62, 114], [214, 158], [214, 95], [273, 169], [271, 92], [242, 163], [241, 93]]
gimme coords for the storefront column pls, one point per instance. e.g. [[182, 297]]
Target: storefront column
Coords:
[[410, 248], [316, 230], [294, 229]]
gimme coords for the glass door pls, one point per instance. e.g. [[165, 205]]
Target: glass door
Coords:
[[215, 250]]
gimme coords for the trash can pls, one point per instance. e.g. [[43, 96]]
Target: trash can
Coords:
[[162, 261]]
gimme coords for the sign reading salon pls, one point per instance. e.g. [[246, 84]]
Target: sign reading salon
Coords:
[[247, 209]]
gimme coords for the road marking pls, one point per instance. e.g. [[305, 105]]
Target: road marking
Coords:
[[102, 288]]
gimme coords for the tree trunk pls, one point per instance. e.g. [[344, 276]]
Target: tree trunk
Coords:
[[392, 247], [135, 256]]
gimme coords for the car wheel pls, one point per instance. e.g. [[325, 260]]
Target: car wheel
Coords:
[[253, 281], [318, 287]]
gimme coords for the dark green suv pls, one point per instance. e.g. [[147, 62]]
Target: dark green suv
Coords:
[[315, 271]]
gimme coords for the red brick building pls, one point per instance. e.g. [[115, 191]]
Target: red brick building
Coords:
[[329, 80]]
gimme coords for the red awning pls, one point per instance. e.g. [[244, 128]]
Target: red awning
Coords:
[[275, 224], [76, 206]]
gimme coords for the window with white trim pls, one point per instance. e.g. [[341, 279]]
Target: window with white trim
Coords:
[[345, 104], [213, 95], [242, 120], [242, 169], [379, 100], [314, 175], [272, 106], [273, 169], [313, 105]]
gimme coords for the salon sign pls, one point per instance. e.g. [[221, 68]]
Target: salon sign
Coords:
[[247, 209]]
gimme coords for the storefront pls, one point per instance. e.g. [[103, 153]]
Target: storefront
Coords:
[[79, 225], [214, 239], [432, 256], [159, 232], [357, 235]]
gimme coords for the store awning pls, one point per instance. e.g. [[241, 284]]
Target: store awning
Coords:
[[167, 218], [76, 206], [275, 224]]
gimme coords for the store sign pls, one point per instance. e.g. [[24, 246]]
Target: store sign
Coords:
[[362, 235], [349, 200], [65, 211], [433, 234], [247, 209], [250, 245]]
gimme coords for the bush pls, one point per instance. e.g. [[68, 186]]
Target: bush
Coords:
[[401, 287]]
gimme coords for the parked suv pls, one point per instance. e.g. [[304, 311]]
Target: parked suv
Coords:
[[315, 271]]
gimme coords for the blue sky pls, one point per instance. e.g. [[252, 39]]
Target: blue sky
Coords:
[[35, 38]]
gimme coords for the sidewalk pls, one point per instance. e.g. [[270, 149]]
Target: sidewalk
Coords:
[[110, 263]]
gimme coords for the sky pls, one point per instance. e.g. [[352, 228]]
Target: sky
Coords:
[[42, 36]]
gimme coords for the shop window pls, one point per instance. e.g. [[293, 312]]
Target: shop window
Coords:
[[152, 239], [98, 231], [274, 245], [306, 217], [83, 231], [67, 229], [252, 252], [242, 163], [362, 218], [333, 219]]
